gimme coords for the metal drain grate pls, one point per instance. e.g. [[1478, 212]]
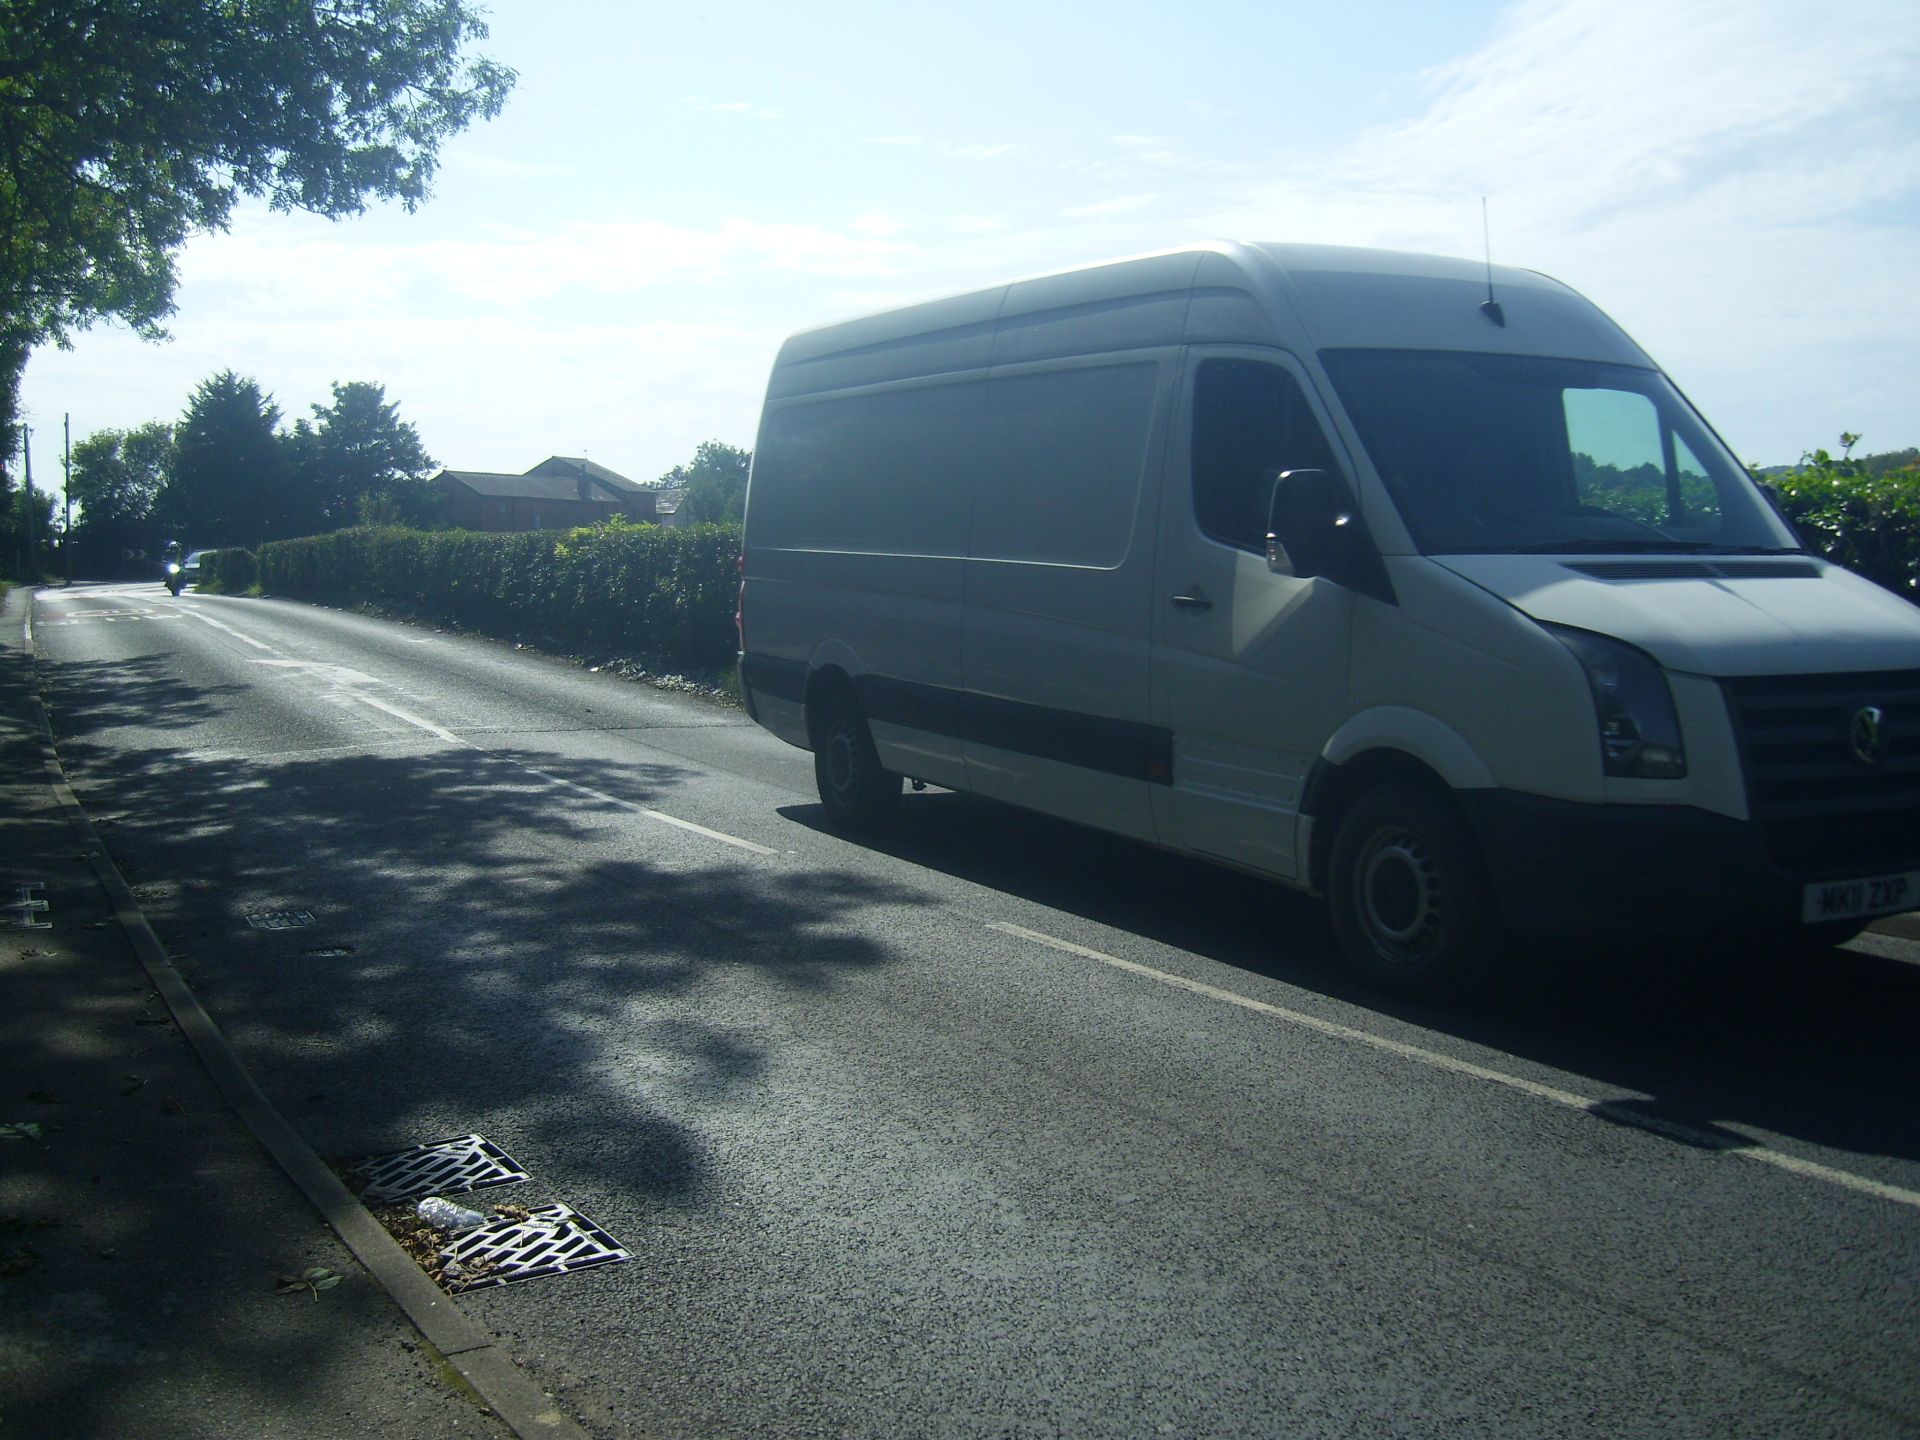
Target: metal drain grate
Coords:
[[553, 1240], [443, 1167], [27, 907], [280, 919]]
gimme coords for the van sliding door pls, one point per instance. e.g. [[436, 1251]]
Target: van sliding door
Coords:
[[1058, 583]]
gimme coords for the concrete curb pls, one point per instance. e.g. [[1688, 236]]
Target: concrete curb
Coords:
[[514, 1398]]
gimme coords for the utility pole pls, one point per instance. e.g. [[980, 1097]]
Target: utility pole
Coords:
[[66, 522], [26, 465]]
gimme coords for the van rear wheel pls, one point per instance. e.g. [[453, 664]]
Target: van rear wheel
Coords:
[[1412, 905], [856, 791]]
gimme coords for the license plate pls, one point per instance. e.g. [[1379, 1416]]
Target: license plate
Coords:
[[1854, 899]]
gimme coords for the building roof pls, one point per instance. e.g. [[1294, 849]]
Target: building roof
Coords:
[[521, 487], [576, 466]]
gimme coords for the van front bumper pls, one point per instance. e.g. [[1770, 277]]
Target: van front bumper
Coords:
[[1620, 871]]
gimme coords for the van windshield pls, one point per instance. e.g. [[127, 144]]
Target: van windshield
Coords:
[[1522, 454]]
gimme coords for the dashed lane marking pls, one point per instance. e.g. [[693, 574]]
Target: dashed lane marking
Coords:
[[228, 629], [414, 720], [351, 689], [650, 812], [108, 617], [1723, 1140]]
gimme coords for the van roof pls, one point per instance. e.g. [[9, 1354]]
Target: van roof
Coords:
[[1303, 298]]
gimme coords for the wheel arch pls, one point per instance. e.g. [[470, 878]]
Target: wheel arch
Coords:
[[1332, 789], [825, 683]]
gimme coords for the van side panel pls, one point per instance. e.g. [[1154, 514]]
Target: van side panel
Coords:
[[939, 338], [868, 493], [1057, 582]]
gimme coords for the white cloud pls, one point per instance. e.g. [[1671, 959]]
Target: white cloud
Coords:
[[1110, 209], [508, 269], [1149, 150], [1735, 181], [980, 152], [877, 225], [745, 109]]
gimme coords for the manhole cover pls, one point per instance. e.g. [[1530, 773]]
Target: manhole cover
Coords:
[[280, 919], [442, 1167], [553, 1240]]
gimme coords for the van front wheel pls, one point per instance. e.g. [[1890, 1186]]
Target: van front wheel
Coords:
[[857, 793], [1412, 905]]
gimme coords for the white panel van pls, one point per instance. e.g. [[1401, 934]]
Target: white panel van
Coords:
[[1394, 578]]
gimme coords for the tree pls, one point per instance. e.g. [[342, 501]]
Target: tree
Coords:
[[129, 125], [715, 484], [229, 481], [358, 457], [29, 531], [9, 525], [116, 477]]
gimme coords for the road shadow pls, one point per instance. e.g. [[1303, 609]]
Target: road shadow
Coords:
[[1820, 1048], [482, 929]]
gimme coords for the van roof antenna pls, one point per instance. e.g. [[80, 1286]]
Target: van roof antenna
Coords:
[[1489, 307]]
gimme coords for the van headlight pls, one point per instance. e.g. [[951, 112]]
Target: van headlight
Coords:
[[1639, 729]]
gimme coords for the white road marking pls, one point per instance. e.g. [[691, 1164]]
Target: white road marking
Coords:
[[1707, 1140], [350, 681], [228, 629], [414, 720], [650, 812]]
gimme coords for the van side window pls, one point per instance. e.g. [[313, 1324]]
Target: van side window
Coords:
[[889, 472], [1250, 422], [1065, 454]]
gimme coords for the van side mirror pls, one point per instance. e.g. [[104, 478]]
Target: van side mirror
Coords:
[[1314, 528], [1307, 511]]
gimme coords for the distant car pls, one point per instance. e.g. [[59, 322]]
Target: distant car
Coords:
[[190, 572]]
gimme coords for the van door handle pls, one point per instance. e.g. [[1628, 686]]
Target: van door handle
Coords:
[[1196, 601]]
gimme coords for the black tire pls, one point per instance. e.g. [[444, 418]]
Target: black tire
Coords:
[[857, 793], [1412, 905]]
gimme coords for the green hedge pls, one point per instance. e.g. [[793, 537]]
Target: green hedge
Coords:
[[662, 595], [666, 596], [228, 572], [1865, 519]]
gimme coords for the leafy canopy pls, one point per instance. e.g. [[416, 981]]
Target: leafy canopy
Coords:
[[1863, 514], [116, 477], [715, 484], [358, 453], [128, 125], [228, 484]]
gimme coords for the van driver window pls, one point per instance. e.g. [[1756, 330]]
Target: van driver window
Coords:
[[1250, 422]]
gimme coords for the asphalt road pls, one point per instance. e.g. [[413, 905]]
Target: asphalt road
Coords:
[[1001, 1127]]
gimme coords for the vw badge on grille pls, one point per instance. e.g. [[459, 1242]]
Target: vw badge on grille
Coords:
[[1864, 735]]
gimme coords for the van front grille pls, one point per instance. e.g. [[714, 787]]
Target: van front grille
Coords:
[[1832, 766]]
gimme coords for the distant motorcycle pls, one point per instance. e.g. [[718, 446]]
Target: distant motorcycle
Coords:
[[176, 577]]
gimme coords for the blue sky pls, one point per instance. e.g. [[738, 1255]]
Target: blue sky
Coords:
[[608, 268]]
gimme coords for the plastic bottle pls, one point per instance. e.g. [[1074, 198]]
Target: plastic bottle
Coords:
[[445, 1215]]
